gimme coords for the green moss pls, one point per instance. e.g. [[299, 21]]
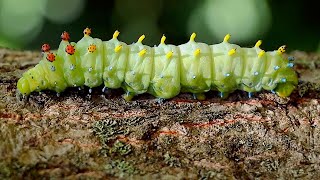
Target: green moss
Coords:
[[120, 168], [5, 171], [107, 130], [171, 160], [214, 174], [118, 148], [121, 148], [307, 87]]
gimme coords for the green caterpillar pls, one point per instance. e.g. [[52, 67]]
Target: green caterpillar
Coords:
[[163, 71]]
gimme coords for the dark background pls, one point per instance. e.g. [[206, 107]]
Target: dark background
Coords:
[[294, 23]]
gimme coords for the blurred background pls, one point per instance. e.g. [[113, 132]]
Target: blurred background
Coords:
[[27, 24]]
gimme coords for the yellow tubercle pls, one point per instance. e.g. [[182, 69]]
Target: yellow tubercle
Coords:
[[226, 38], [142, 52], [116, 34], [261, 53], [87, 32], [141, 38], [163, 39], [92, 48], [232, 52], [282, 49], [258, 44], [196, 52], [169, 54], [118, 48], [193, 36]]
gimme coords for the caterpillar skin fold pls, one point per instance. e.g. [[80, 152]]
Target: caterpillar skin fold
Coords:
[[163, 71]]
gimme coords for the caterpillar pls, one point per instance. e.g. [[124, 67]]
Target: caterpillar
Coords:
[[162, 71]]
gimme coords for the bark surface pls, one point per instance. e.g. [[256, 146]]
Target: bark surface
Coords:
[[101, 136]]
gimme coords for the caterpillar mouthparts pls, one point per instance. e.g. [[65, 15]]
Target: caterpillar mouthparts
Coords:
[[163, 71]]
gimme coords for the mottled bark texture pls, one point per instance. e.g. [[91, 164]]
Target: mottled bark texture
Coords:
[[77, 135]]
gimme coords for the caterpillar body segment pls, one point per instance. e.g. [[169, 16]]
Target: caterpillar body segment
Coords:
[[195, 67], [53, 73], [227, 66], [165, 78], [71, 65], [115, 62], [139, 69], [91, 54], [163, 71], [254, 69]]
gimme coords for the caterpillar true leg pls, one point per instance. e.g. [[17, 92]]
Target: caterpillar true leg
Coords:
[[199, 96], [128, 96]]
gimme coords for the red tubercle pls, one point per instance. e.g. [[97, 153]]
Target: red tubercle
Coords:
[[70, 49], [45, 48], [65, 36], [51, 57]]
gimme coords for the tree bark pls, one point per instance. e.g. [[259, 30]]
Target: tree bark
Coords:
[[81, 135]]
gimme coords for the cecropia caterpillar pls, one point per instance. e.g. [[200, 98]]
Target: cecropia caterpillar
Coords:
[[163, 71]]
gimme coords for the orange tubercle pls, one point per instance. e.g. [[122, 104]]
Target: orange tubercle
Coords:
[[51, 57], [65, 36], [87, 31], [92, 48], [45, 48], [70, 49]]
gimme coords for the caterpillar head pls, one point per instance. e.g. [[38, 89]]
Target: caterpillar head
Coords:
[[23, 86], [32, 80]]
